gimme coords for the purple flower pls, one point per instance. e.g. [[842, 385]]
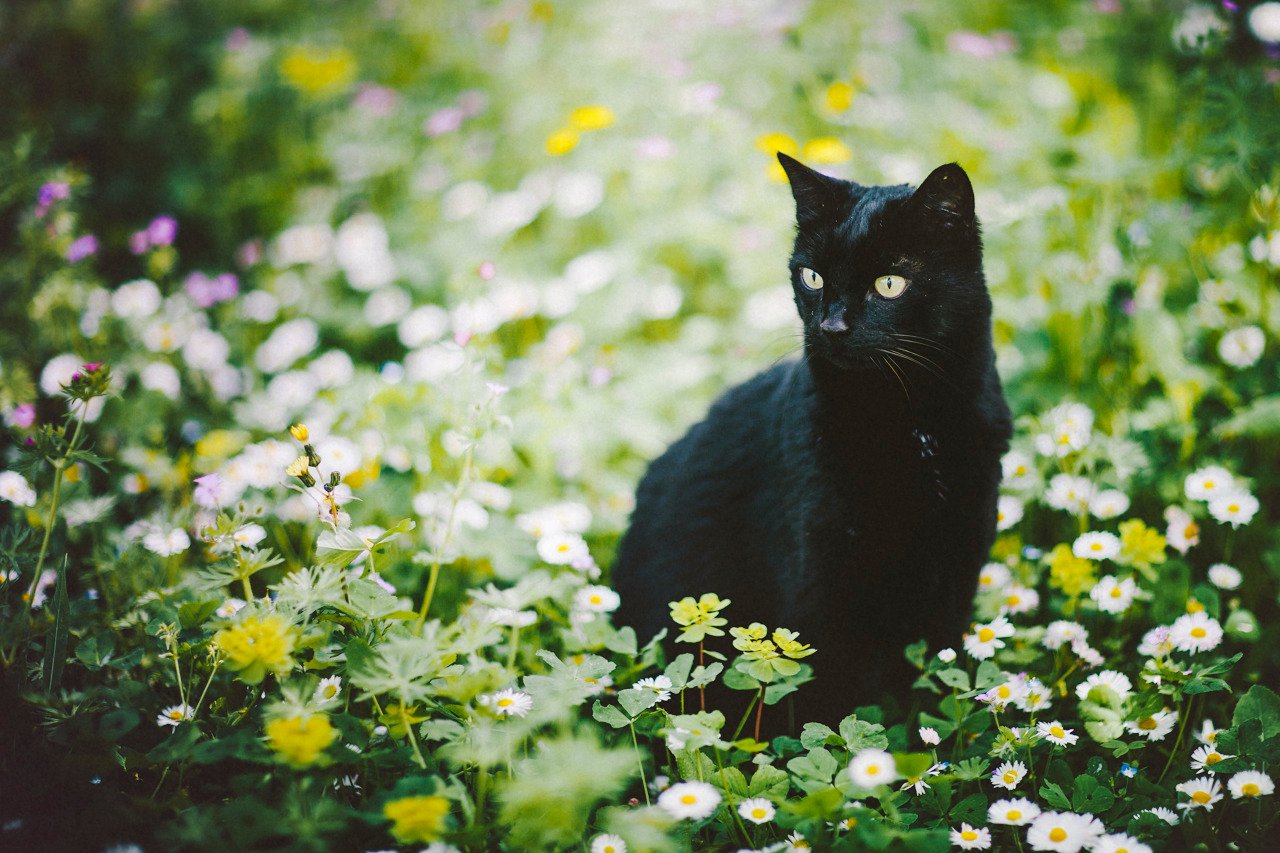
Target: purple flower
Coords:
[[23, 415], [375, 100], [472, 102], [208, 490], [92, 366], [443, 121], [249, 253], [237, 40], [205, 291], [162, 231], [138, 243], [49, 193], [82, 247]]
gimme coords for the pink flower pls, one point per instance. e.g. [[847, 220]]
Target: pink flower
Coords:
[[162, 231], [23, 415], [81, 248], [208, 490]]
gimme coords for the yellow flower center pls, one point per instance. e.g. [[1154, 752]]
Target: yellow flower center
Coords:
[[1003, 691], [1013, 600], [1057, 834], [1194, 606], [595, 599], [1212, 758], [1147, 723], [1191, 531], [562, 547], [1208, 485], [175, 715], [609, 848], [1020, 471], [758, 813], [1198, 632], [688, 799], [1121, 850], [873, 769], [985, 580], [1211, 737], [1116, 592], [969, 835], [986, 635], [1057, 731], [330, 690], [1010, 776], [1250, 789], [504, 702], [1233, 507], [1201, 797], [1095, 546], [1013, 814]]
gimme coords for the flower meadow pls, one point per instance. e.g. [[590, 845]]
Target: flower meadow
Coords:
[[337, 337]]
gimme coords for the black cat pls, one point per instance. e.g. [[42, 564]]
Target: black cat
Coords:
[[851, 495]]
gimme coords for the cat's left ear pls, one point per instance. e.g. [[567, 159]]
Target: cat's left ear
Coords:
[[947, 196]]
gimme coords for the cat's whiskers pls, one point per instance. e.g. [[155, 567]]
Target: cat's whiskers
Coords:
[[889, 360], [924, 361], [916, 339]]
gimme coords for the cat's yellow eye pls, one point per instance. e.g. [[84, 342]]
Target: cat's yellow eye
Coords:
[[811, 279], [891, 286]]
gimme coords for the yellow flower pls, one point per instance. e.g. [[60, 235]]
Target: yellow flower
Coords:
[[1070, 573], [417, 820], [1140, 546], [701, 618], [399, 719], [258, 645], [300, 740], [299, 431], [314, 70], [826, 150], [562, 141], [838, 97], [771, 144], [790, 646], [591, 117]]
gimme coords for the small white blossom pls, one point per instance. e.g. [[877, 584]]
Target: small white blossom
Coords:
[[1008, 775], [758, 810], [1008, 512], [981, 643], [1155, 727], [1195, 632], [328, 690], [1249, 784], [1242, 347], [1182, 532], [1113, 595], [1235, 508], [1202, 793], [872, 767], [1108, 503], [691, 800], [1096, 546], [175, 714], [1224, 576], [1209, 482], [15, 489], [971, 838]]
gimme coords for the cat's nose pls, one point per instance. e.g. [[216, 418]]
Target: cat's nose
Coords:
[[834, 324]]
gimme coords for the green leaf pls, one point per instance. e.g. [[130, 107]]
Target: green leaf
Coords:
[[1262, 704], [971, 769], [915, 653], [1205, 685], [704, 675], [636, 701], [814, 770], [736, 679], [912, 765], [95, 650], [194, 613], [819, 734], [823, 804], [610, 715], [957, 678], [1090, 796], [55, 641], [944, 728], [1054, 795], [623, 641], [859, 734], [736, 782], [989, 675], [769, 781], [972, 809], [678, 671]]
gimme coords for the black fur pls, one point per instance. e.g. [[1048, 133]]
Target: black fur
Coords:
[[851, 495]]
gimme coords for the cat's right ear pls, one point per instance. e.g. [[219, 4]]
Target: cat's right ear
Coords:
[[817, 196]]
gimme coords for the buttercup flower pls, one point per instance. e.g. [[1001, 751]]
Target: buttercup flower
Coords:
[[699, 618], [300, 740], [1063, 832], [689, 800], [1008, 775], [1195, 632], [258, 645], [1016, 812], [1248, 784], [757, 810], [872, 767], [1070, 573], [417, 820], [969, 838], [1202, 792], [1140, 546]]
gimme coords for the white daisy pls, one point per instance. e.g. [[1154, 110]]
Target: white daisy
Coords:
[[1009, 774], [982, 642], [1204, 757], [872, 767], [1086, 653], [229, 608], [560, 549], [1063, 832], [970, 838], [1002, 695], [929, 736], [174, 714], [596, 599], [1119, 843], [757, 810], [249, 535], [1208, 482], [659, 684], [608, 844], [1224, 576], [1061, 632], [1008, 513], [15, 489], [1108, 503], [1035, 696], [1202, 792], [166, 543], [1069, 493], [1182, 532], [1015, 812], [1017, 470], [1056, 734], [1108, 680], [1156, 643], [1155, 727], [1019, 599], [508, 703], [327, 690], [793, 842], [1250, 784], [692, 800], [1098, 545], [993, 576], [1065, 429], [1235, 508], [1113, 595], [1242, 347], [1169, 816], [1195, 632], [1208, 734]]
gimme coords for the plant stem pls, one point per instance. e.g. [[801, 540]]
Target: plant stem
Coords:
[[702, 691], [644, 782], [733, 809], [759, 713], [217, 662], [515, 647], [1177, 741], [746, 715], [446, 538]]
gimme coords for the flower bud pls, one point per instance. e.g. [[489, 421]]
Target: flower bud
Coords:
[[299, 431], [299, 468]]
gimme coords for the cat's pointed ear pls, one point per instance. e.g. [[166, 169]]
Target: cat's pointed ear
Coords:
[[817, 195], [946, 195]]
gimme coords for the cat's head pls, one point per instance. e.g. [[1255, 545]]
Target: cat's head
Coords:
[[888, 273]]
